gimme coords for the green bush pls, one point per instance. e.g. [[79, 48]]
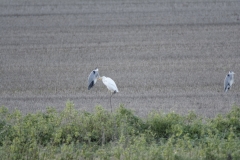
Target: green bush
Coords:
[[73, 134]]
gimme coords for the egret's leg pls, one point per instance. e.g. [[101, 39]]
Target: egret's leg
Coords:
[[110, 101]]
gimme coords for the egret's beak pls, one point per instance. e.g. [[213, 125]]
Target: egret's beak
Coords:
[[99, 78]]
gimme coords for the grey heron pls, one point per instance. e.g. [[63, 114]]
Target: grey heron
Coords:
[[92, 78], [229, 80]]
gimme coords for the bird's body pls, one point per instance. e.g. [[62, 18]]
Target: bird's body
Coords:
[[111, 85], [92, 78], [229, 80]]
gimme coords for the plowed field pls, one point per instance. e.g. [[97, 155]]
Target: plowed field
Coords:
[[164, 55]]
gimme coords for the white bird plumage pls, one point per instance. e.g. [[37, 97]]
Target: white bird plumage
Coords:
[[229, 80], [111, 86]]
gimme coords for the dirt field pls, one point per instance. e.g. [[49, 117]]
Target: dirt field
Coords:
[[164, 55]]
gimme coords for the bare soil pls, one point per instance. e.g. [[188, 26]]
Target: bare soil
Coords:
[[164, 55]]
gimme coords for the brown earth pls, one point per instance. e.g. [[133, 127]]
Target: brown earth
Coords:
[[164, 55]]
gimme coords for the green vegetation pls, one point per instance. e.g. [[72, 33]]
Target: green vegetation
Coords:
[[71, 134]]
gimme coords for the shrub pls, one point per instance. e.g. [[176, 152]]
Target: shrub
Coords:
[[73, 134]]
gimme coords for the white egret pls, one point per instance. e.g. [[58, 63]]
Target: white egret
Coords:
[[92, 78], [111, 86], [228, 82]]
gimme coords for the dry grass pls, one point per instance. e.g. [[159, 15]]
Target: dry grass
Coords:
[[170, 56]]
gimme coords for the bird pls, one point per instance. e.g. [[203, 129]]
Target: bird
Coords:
[[111, 86], [92, 78], [229, 80]]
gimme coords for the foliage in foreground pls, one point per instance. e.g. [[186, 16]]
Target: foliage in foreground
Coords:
[[71, 134]]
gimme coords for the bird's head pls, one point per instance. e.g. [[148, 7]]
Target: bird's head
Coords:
[[95, 71], [100, 78], [231, 73]]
